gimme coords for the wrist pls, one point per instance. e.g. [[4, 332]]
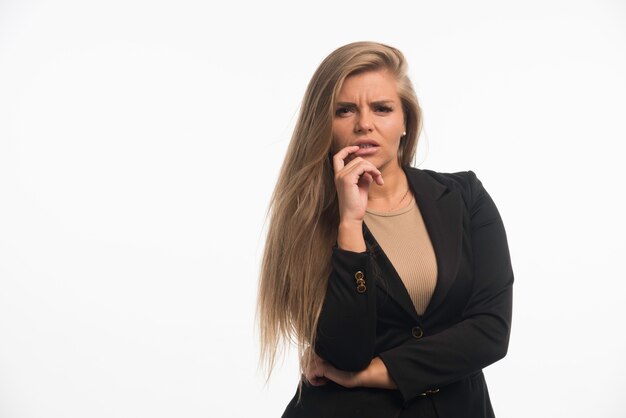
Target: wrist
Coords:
[[350, 236], [378, 376]]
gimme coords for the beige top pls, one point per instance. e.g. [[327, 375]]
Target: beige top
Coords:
[[402, 235]]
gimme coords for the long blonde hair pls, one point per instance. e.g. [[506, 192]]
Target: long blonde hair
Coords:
[[303, 210]]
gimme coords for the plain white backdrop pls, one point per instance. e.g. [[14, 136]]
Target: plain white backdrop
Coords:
[[140, 142]]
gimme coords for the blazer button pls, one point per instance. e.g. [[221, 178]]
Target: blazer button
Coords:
[[429, 392], [417, 333], [360, 282]]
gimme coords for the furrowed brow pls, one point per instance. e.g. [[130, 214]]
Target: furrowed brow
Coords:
[[345, 104], [383, 102], [375, 103]]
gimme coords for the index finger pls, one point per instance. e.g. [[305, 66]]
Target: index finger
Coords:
[[338, 158]]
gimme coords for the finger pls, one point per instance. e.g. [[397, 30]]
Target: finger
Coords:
[[338, 158], [316, 377], [365, 180], [361, 162], [314, 380], [359, 166], [379, 179], [315, 368], [318, 381], [363, 166], [311, 376]]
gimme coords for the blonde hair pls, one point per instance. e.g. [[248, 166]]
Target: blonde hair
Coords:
[[303, 210]]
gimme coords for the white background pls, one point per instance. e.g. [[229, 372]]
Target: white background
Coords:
[[140, 142]]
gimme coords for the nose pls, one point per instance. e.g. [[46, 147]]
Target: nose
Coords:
[[363, 123]]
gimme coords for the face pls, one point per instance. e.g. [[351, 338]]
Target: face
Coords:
[[369, 113]]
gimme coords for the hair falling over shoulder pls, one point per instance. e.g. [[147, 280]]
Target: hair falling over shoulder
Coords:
[[303, 212]]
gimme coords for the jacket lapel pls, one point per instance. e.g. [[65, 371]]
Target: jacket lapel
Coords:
[[388, 279], [441, 209]]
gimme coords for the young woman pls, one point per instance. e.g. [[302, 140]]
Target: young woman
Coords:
[[395, 282]]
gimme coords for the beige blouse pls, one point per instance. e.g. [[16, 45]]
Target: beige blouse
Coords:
[[403, 237]]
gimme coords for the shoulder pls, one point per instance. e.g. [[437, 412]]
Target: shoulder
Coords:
[[464, 182], [457, 180]]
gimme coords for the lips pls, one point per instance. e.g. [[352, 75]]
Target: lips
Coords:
[[366, 147], [366, 142]]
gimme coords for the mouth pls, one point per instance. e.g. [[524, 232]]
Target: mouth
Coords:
[[366, 147], [366, 143]]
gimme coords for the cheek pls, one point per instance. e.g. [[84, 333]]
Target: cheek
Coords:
[[393, 130], [340, 139], [397, 127]]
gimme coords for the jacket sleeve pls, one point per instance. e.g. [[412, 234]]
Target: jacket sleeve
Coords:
[[481, 337], [346, 330]]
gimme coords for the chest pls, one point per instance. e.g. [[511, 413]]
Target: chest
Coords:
[[397, 318]]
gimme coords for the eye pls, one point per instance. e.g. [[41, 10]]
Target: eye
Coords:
[[383, 109], [343, 111]]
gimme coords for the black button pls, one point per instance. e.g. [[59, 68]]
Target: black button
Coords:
[[417, 332]]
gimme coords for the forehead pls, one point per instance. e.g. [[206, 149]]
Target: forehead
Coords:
[[374, 85]]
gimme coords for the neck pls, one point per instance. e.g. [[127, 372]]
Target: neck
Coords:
[[387, 195]]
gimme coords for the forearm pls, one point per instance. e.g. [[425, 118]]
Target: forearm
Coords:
[[460, 351], [377, 376], [346, 330], [481, 336], [373, 376]]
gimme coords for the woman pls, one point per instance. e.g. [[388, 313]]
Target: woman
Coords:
[[395, 282]]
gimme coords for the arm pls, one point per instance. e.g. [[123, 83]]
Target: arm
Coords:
[[346, 331], [482, 336], [318, 372]]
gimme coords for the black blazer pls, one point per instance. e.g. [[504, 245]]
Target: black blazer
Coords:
[[435, 359]]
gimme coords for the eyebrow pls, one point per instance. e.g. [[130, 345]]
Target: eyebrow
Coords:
[[377, 102]]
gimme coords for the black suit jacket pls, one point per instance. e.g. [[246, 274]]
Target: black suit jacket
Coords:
[[436, 358]]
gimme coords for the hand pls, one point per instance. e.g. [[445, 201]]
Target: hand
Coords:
[[315, 370], [352, 180], [318, 372]]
